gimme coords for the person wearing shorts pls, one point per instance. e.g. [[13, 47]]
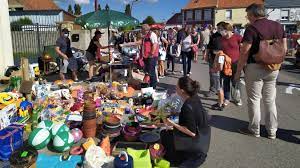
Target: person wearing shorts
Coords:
[[91, 52], [66, 60], [217, 75]]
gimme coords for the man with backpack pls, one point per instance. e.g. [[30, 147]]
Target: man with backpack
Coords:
[[262, 52]]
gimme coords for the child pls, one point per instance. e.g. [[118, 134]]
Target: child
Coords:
[[221, 67], [172, 53]]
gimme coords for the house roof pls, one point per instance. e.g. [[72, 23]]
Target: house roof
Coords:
[[194, 4], [281, 3], [220, 4], [39, 5], [14, 4], [237, 3], [174, 19]]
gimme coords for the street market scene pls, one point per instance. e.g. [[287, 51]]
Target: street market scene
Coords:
[[149, 83]]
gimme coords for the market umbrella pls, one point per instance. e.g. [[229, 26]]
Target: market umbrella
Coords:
[[106, 19]]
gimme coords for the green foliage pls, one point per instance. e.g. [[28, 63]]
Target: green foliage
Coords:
[[70, 10], [22, 21], [128, 10], [149, 20], [17, 25], [77, 9]]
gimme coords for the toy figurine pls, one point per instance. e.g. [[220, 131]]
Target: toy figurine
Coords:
[[25, 108]]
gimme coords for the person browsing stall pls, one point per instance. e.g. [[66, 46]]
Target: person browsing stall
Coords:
[[92, 50], [188, 143], [66, 59]]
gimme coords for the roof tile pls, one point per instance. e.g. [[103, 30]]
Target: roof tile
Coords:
[[194, 4]]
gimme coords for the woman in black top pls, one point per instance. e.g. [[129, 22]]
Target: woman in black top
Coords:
[[92, 50], [192, 120]]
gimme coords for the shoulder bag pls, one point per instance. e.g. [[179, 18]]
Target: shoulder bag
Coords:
[[271, 53]]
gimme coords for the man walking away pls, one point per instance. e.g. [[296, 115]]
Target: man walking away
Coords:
[[260, 78]]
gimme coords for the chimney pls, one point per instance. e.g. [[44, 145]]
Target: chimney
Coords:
[[96, 5]]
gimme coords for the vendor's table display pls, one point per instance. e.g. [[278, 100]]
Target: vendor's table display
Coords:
[[110, 124]]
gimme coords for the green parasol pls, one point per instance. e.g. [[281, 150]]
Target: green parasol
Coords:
[[106, 19]]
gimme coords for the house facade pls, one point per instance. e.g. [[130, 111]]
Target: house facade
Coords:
[[214, 11], [286, 12], [42, 12], [174, 21]]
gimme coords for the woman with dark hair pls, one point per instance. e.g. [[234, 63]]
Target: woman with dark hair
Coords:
[[184, 148]]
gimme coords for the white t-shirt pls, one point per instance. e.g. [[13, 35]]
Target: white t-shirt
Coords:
[[153, 38], [221, 61], [186, 44]]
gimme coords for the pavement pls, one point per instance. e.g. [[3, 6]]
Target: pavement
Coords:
[[230, 149]]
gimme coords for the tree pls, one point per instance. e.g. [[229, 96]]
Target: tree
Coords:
[[70, 10], [77, 9], [149, 20], [17, 25], [99, 7], [128, 10], [107, 7]]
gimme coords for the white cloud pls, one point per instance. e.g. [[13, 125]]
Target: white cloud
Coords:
[[152, 1], [82, 1]]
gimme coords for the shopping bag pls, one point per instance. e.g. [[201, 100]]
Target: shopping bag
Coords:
[[141, 158], [236, 92]]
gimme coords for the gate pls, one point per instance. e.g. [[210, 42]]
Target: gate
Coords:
[[29, 40]]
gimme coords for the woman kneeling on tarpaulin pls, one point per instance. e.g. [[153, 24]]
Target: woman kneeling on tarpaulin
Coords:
[[191, 137]]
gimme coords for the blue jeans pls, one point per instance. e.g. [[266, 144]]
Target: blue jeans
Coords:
[[150, 64], [186, 62]]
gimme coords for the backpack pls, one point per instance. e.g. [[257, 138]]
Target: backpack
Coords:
[[271, 53]]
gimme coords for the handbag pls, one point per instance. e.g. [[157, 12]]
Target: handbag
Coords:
[[200, 142]]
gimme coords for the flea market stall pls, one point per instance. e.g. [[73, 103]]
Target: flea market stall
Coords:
[[94, 124]]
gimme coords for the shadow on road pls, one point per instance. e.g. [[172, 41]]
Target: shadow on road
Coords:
[[287, 84], [232, 125]]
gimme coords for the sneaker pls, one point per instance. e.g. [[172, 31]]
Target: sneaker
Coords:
[[190, 73], [174, 73], [161, 77], [217, 107], [187, 74], [181, 72], [272, 136], [246, 131], [239, 103], [226, 102]]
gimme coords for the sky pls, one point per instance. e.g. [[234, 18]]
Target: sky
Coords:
[[161, 10]]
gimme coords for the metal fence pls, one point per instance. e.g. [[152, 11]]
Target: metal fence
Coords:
[[29, 40]]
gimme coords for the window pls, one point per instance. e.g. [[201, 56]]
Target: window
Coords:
[[284, 15], [228, 15], [198, 15], [207, 14], [189, 15]]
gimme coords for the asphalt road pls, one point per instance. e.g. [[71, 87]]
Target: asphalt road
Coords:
[[230, 149]]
